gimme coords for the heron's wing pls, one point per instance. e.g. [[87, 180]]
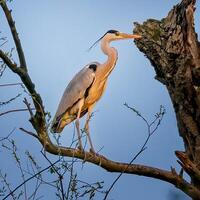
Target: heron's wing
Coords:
[[75, 90]]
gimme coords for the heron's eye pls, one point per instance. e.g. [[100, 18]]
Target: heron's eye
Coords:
[[117, 33]]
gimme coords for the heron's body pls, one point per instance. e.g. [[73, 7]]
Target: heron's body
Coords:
[[87, 87], [89, 91]]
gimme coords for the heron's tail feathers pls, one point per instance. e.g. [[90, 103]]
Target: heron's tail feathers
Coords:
[[60, 122], [55, 127]]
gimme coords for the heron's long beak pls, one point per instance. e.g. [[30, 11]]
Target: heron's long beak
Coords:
[[129, 36]]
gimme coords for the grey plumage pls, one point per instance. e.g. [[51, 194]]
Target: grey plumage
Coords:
[[75, 91], [87, 87]]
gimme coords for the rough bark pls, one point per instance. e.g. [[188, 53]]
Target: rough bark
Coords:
[[173, 49]]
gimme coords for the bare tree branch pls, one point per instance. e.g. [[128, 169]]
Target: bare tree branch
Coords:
[[7, 61], [5, 138], [188, 165], [14, 110], [29, 133], [10, 84], [172, 46], [60, 177], [158, 119], [13, 30], [136, 169], [28, 107], [3, 176], [3, 103], [30, 178]]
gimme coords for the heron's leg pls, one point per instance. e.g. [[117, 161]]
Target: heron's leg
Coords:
[[80, 105], [87, 127]]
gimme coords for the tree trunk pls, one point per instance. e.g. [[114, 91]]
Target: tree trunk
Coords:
[[173, 49]]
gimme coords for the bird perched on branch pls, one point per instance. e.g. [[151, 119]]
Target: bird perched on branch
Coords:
[[87, 87]]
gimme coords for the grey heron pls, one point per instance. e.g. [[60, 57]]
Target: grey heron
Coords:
[[87, 87]]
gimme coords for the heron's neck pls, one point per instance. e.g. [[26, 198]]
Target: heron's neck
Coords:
[[111, 52]]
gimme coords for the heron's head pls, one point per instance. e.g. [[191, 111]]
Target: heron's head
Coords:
[[113, 35], [116, 35]]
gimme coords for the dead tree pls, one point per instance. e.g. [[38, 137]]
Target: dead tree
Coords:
[[172, 47]]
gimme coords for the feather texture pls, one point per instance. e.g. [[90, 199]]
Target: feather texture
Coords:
[[75, 90]]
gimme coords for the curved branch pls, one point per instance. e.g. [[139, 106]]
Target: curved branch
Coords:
[[113, 166], [7, 60], [13, 30]]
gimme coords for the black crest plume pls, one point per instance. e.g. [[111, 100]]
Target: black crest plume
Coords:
[[110, 31]]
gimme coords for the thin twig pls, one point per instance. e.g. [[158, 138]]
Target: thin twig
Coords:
[[7, 185], [121, 173], [158, 117], [28, 106], [12, 192], [33, 195], [10, 84], [30, 133], [5, 138], [21, 171], [59, 176], [7, 60], [71, 176], [15, 110], [10, 100], [34, 164], [38, 179]]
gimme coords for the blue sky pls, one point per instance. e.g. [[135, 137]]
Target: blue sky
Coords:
[[55, 36]]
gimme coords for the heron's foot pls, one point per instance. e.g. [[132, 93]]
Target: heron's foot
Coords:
[[80, 147], [93, 151], [96, 154]]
